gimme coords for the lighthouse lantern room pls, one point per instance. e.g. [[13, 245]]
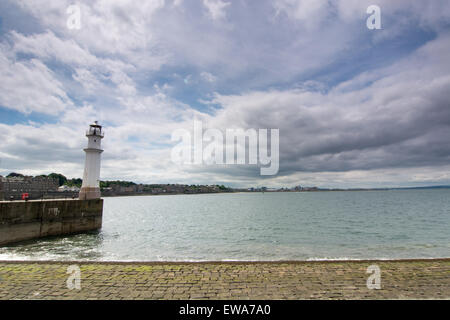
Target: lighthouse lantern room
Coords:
[[90, 188]]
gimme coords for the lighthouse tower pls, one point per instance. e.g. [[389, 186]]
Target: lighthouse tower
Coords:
[[90, 188]]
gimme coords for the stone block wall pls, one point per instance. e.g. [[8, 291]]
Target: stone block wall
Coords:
[[24, 220]]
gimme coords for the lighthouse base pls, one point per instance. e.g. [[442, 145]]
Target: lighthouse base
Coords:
[[87, 193]]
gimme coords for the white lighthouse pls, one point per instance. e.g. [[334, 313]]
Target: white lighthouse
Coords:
[[90, 188]]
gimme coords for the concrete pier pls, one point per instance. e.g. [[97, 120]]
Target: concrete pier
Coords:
[[25, 220]]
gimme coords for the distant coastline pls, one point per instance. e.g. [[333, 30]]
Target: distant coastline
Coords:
[[56, 185], [258, 190]]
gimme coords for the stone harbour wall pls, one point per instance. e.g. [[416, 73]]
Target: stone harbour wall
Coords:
[[402, 279], [25, 220]]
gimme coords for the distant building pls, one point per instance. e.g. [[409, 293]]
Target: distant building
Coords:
[[2, 197], [158, 190], [36, 187], [67, 188]]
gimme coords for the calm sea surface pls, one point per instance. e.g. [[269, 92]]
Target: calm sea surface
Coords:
[[256, 226]]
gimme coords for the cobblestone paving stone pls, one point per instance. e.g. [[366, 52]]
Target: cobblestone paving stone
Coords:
[[419, 279]]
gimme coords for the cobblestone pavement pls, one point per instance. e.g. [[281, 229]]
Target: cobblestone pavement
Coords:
[[420, 279]]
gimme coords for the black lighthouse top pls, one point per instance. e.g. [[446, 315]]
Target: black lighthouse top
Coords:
[[95, 130]]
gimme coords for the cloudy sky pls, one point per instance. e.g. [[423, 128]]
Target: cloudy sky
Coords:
[[355, 107]]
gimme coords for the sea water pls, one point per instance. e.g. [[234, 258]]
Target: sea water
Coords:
[[393, 224]]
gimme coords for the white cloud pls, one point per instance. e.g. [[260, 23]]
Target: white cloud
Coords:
[[89, 82], [47, 46], [121, 25], [310, 12], [187, 79], [208, 77], [29, 86], [216, 8]]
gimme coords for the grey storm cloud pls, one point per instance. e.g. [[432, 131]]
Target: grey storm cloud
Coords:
[[401, 120]]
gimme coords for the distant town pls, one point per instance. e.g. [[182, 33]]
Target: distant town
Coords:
[[55, 185]]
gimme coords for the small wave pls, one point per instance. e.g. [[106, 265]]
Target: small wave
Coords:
[[344, 259]]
